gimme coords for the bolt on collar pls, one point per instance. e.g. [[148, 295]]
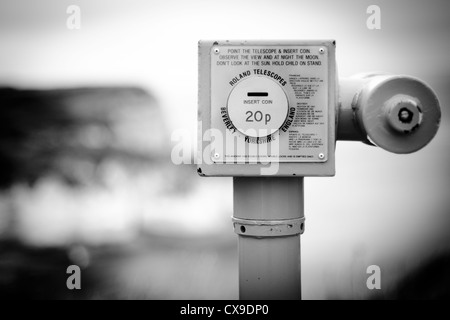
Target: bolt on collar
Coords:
[[268, 228]]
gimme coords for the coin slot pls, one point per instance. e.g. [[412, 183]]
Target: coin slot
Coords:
[[257, 94]]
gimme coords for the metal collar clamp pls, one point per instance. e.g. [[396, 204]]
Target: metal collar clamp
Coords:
[[268, 228]]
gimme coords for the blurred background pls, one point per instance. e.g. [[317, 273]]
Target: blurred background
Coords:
[[88, 118]]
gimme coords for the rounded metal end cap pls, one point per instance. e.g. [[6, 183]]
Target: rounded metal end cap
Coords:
[[400, 114]]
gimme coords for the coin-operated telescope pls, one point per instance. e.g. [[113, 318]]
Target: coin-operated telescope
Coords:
[[270, 113]]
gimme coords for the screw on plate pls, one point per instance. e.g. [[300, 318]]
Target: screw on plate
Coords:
[[216, 50], [321, 50], [321, 156], [216, 155]]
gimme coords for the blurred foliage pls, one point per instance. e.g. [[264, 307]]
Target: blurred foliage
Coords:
[[152, 267], [79, 167], [49, 132]]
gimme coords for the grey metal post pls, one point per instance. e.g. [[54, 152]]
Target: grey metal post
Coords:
[[269, 218]]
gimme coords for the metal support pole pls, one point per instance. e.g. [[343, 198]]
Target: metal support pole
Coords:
[[269, 218]]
